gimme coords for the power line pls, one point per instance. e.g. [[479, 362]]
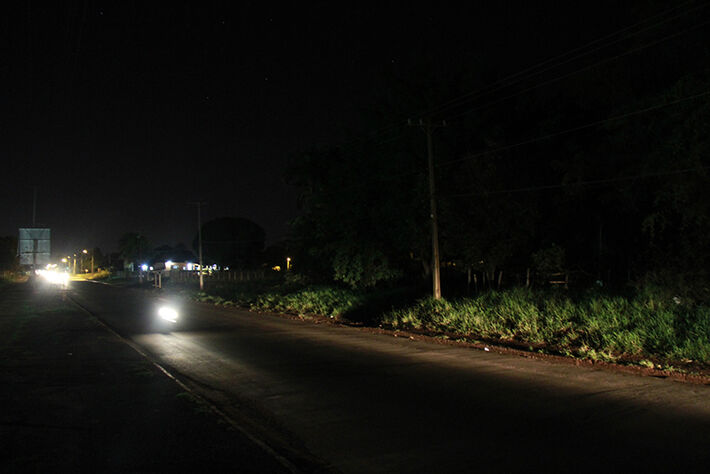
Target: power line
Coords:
[[585, 68], [535, 69], [367, 181], [556, 79], [579, 183], [576, 129], [543, 188]]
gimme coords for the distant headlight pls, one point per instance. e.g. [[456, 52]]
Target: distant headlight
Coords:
[[167, 313]]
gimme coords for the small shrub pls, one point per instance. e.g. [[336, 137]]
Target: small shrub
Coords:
[[320, 300]]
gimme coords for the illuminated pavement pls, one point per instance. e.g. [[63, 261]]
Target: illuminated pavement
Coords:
[[376, 403]]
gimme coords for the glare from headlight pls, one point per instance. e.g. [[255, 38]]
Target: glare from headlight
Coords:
[[54, 277], [168, 313], [63, 279]]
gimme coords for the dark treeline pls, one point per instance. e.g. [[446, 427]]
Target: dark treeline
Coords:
[[594, 166]]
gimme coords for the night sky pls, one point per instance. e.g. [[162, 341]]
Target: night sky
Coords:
[[121, 113]]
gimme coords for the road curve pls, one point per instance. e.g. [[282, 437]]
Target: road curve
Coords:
[[364, 402]]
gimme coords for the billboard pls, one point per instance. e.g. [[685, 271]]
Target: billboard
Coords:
[[33, 246]]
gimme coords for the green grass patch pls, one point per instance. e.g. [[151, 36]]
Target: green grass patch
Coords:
[[591, 325], [319, 300], [315, 300], [304, 300], [647, 325]]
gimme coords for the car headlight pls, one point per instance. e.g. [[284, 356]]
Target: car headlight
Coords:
[[167, 313]]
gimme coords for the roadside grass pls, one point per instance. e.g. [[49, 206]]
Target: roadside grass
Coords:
[[316, 300], [304, 301], [649, 327], [280, 295], [8, 278]]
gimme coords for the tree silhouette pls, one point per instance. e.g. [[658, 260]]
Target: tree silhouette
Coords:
[[134, 247], [231, 241]]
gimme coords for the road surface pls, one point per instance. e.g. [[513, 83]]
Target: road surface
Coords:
[[361, 402]]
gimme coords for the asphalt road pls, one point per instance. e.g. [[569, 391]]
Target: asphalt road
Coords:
[[363, 402], [77, 399]]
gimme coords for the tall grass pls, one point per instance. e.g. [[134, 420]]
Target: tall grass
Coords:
[[592, 325], [320, 300], [279, 296], [651, 323]]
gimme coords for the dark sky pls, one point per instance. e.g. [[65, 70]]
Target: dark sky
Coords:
[[121, 113]]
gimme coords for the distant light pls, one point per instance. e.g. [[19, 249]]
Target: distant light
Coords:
[[168, 264], [84, 251], [144, 267], [277, 268], [190, 266], [151, 268]]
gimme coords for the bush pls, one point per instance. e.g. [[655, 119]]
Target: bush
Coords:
[[319, 300], [363, 268]]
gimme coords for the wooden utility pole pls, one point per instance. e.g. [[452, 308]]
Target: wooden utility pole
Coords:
[[428, 128], [199, 239]]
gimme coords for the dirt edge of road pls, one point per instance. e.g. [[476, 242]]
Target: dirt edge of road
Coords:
[[693, 374]]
